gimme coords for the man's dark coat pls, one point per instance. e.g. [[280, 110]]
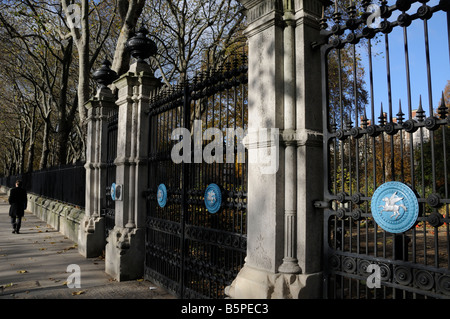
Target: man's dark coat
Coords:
[[18, 201]]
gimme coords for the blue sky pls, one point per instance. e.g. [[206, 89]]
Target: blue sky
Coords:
[[439, 57]]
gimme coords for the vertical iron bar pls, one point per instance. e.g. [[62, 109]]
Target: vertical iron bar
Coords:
[[420, 111], [430, 132], [355, 90], [430, 101], [388, 74], [448, 33], [342, 156], [184, 178], [446, 194], [408, 85], [411, 138], [372, 99]]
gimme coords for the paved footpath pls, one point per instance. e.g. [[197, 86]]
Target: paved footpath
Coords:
[[33, 265]]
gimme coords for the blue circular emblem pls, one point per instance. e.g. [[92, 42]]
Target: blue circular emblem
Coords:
[[213, 198], [113, 191], [161, 195], [395, 207]]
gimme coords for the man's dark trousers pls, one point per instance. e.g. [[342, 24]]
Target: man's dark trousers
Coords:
[[16, 222]]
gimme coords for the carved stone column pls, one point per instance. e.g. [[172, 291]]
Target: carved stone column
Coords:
[[290, 262], [309, 136], [91, 236], [284, 230], [125, 250]]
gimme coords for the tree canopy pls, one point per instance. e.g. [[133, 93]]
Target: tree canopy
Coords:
[[47, 61]]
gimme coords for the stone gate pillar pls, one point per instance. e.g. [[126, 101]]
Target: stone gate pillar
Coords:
[[125, 249], [284, 236], [91, 235], [309, 138]]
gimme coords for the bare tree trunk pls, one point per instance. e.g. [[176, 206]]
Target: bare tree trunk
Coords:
[[129, 11], [83, 49], [81, 40], [45, 145], [31, 145]]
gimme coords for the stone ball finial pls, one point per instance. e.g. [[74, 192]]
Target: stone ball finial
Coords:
[[141, 47]]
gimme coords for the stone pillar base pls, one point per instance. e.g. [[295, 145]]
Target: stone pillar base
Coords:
[[252, 283], [91, 237], [125, 253]]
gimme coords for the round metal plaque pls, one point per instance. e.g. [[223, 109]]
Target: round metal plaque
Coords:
[[395, 207], [113, 191], [161, 195], [213, 198]]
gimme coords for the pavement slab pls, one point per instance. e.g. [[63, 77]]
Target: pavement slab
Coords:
[[34, 265]]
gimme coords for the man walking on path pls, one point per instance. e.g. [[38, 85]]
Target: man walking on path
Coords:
[[18, 201]]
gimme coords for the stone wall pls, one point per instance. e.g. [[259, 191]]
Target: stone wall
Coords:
[[63, 217]]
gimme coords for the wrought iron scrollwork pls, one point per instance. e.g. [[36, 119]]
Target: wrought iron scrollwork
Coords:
[[209, 245], [398, 275], [349, 264], [364, 153], [424, 279], [443, 283], [403, 275]]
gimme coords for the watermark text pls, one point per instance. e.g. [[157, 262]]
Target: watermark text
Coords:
[[74, 279], [374, 19], [374, 280], [262, 145]]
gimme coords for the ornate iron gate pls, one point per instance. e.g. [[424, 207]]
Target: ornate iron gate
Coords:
[[109, 205], [195, 246], [362, 153]]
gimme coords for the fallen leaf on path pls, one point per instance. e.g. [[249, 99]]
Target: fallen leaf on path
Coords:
[[76, 293], [22, 271]]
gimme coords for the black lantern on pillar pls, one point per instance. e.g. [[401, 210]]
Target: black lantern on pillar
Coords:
[[104, 76], [141, 47]]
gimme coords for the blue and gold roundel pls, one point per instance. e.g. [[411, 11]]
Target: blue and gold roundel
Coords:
[[161, 195], [113, 191], [213, 198], [395, 207]]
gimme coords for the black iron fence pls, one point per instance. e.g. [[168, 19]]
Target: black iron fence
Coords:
[[62, 183], [108, 210], [193, 249], [364, 152]]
